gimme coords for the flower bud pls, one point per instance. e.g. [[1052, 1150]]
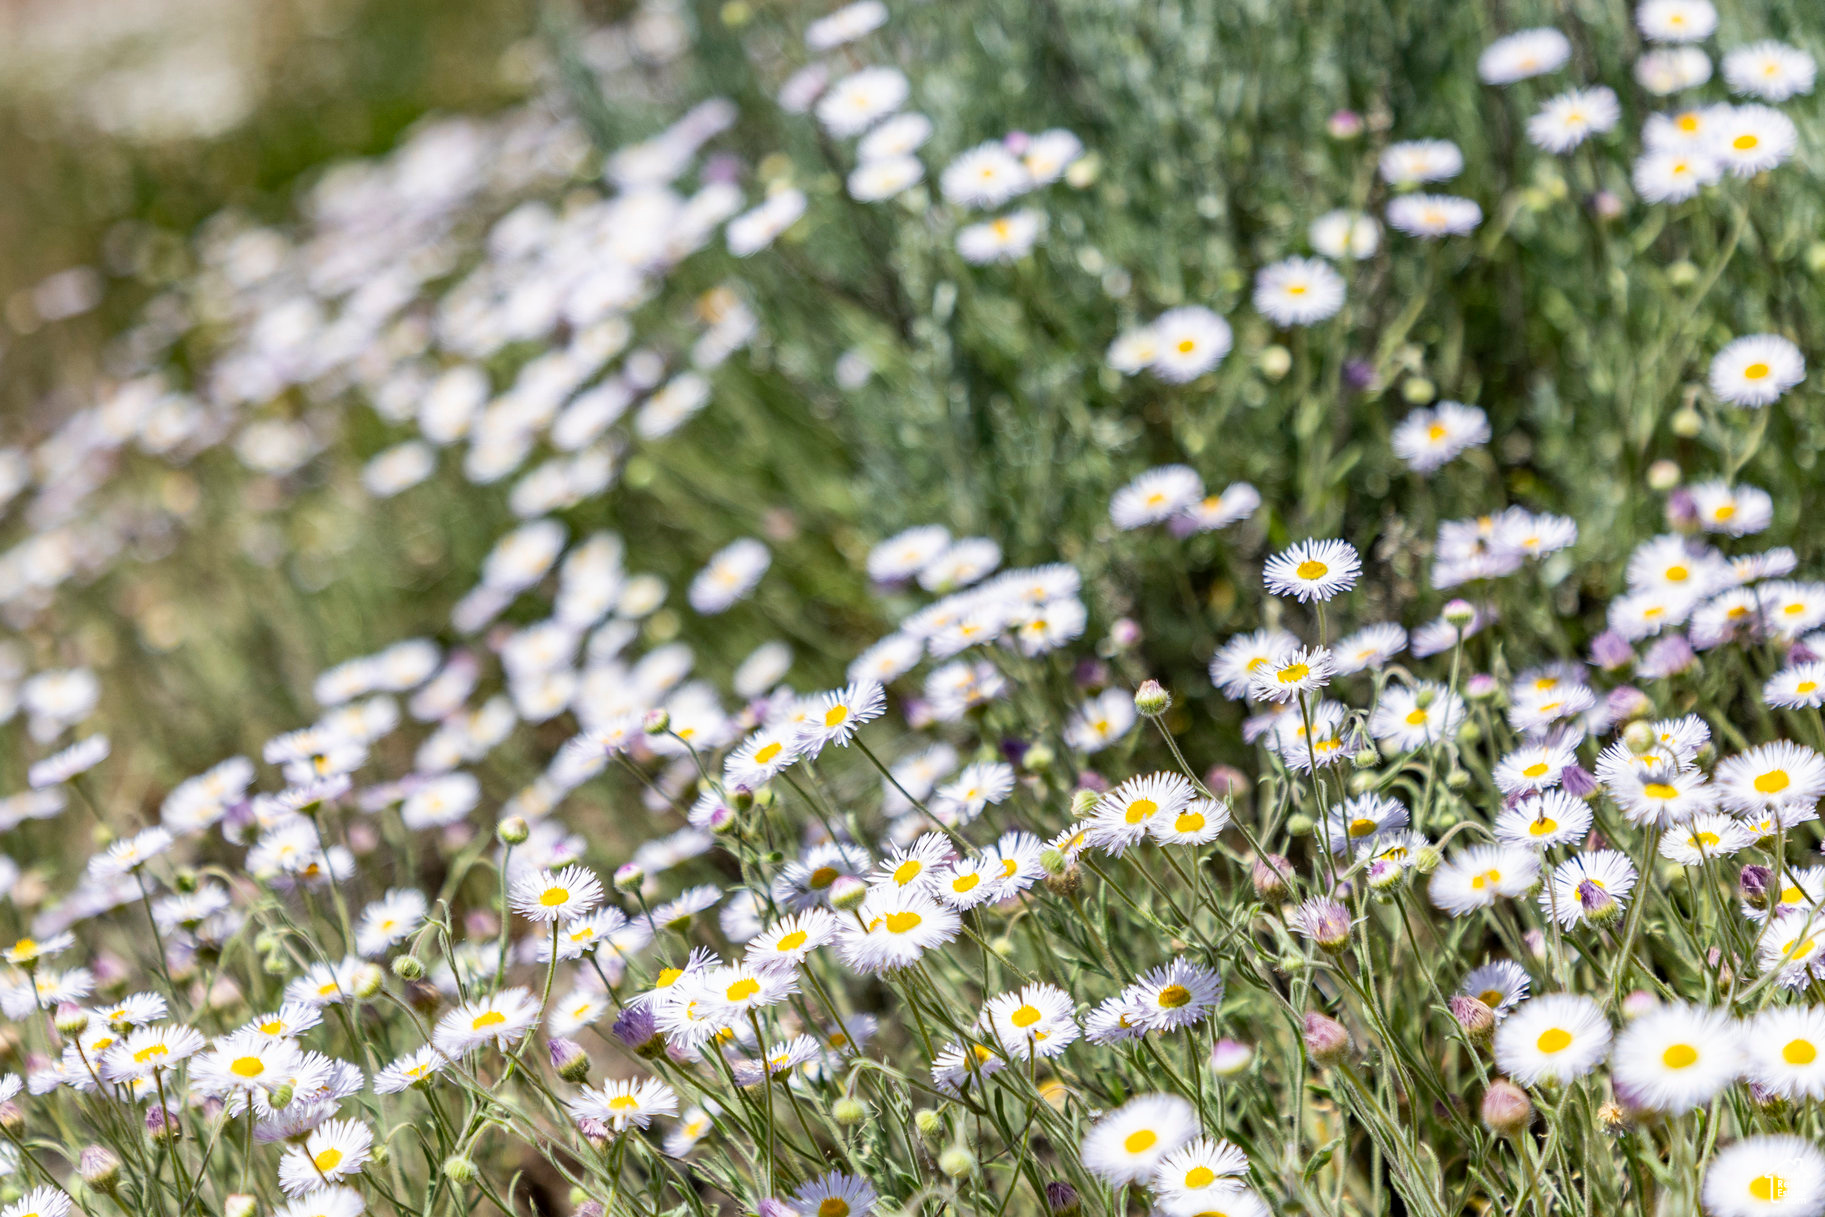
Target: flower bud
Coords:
[[162, 1123], [1459, 613], [1062, 1199], [366, 982], [1151, 700], [1426, 858], [1343, 125], [847, 1110], [408, 967], [1039, 759], [1325, 922], [1300, 825], [280, 1096], [1274, 361], [1506, 1108], [1638, 1003], [928, 1122], [1082, 800], [1417, 390], [1639, 737], [1599, 907], [1229, 1057], [1272, 876], [99, 1167], [1474, 1016], [513, 830], [1125, 633], [1326, 1040], [847, 893], [72, 1020], [569, 1059], [629, 876], [459, 1168], [636, 1027], [1756, 884], [12, 1117], [957, 1161], [240, 1204], [1366, 758]]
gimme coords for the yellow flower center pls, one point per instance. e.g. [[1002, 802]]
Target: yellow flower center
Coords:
[[1479, 882], [767, 752], [1678, 574], [328, 1159], [1415, 717], [1745, 142], [1435, 432], [1312, 568], [1800, 1052], [668, 977], [792, 941], [1189, 821], [1659, 790], [552, 897], [1490, 997], [1706, 840], [1140, 1142], [247, 1067], [1026, 1016], [1199, 1176], [624, 1102], [1544, 826], [1292, 673], [1187, 346], [1554, 1039], [1173, 997], [149, 1051], [1679, 1056], [1772, 782], [1536, 770], [903, 923], [488, 1018], [1768, 1188], [836, 716], [1141, 809], [743, 989], [833, 1206], [966, 882], [823, 877], [1361, 827]]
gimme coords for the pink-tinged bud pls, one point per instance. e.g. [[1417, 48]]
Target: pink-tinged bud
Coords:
[[1611, 651], [1506, 1108], [638, 1029], [1325, 922], [1062, 1199], [1578, 781], [847, 893], [569, 1059], [1482, 687], [1272, 876], [1669, 656], [657, 721], [1343, 125], [1125, 633], [162, 1124], [629, 876], [1229, 1057], [1459, 613], [1326, 1040], [99, 1167], [1626, 701], [1638, 1003], [589, 1208], [1227, 782], [1598, 906], [1474, 1016], [1756, 884], [1682, 510]]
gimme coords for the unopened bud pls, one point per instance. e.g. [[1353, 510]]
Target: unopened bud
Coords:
[[1229, 1057], [240, 1204], [1474, 1016], [569, 1059], [1082, 801], [1599, 907], [1326, 1040], [1506, 1108], [408, 967], [657, 721], [1417, 390], [847, 893], [847, 1110], [162, 1123], [1427, 858], [1039, 759], [957, 1161], [366, 982], [281, 1095], [629, 876], [72, 1020], [1756, 884], [1300, 825], [1274, 361], [1325, 922], [12, 1118], [1271, 876], [1366, 758], [1062, 1199], [1151, 700], [637, 1027], [1639, 737], [740, 798], [928, 1122], [1459, 613], [459, 1168], [513, 830], [99, 1167]]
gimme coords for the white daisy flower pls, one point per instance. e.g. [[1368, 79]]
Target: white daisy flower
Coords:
[[1554, 1038]]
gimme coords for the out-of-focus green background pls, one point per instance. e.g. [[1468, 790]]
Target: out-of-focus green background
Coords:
[[125, 123]]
